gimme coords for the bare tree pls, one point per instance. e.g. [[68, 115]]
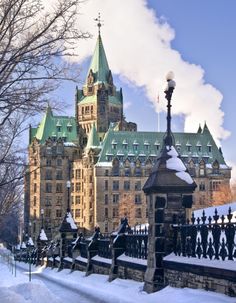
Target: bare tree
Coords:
[[34, 42], [222, 196], [127, 208]]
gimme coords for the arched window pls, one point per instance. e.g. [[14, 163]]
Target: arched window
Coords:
[[215, 167], [202, 168]]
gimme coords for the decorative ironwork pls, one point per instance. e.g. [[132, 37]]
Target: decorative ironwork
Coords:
[[136, 242], [212, 238]]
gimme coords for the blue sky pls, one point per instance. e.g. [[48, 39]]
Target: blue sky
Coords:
[[199, 43]]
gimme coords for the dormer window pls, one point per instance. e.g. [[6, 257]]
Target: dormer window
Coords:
[[69, 127], [189, 147], [58, 125], [215, 167], [209, 146], [114, 144], [125, 144], [135, 145]]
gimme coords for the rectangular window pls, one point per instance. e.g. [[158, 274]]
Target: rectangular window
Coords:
[[77, 213], [35, 174], [202, 186], [48, 175], [106, 199], [90, 219], [138, 199], [115, 185], [48, 162], [115, 198], [126, 185], [59, 201], [77, 174], [137, 185], [138, 213], [106, 212], [48, 201], [48, 212], [35, 200], [78, 187], [106, 184], [106, 172], [58, 213], [34, 213], [59, 175], [209, 149], [35, 187], [77, 200], [48, 187], [59, 162], [115, 212], [58, 188]]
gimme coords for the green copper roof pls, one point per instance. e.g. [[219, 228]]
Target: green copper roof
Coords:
[[148, 144], [93, 140], [55, 127], [116, 100], [99, 64]]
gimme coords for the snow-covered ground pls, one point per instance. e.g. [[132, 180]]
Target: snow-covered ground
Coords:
[[50, 286]]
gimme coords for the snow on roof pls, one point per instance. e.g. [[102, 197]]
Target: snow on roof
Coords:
[[175, 163], [23, 245], [30, 242], [69, 144], [42, 235], [70, 220]]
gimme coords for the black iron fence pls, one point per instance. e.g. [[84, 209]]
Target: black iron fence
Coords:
[[136, 242], [212, 237]]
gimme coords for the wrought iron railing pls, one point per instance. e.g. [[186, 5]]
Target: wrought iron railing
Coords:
[[213, 237], [136, 243]]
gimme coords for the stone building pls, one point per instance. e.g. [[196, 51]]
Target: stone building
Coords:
[[106, 159]]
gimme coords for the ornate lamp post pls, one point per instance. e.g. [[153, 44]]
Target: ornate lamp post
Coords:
[[68, 184]]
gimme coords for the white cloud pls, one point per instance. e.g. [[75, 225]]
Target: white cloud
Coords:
[[138, 47], [127, 104]]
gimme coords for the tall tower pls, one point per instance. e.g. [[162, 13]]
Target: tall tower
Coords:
[[98, 102]]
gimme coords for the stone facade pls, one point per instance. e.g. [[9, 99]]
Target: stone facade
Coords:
[[225, 285]]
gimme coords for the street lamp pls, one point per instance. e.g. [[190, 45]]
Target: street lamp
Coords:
[[168, 94], [68, 184]]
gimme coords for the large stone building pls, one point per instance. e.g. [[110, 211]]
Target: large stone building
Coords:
[[106, 159]]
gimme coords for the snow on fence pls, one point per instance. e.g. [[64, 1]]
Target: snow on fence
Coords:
[[212, 237]]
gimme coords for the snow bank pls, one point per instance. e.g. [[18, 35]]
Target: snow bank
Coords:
[[71, 221]]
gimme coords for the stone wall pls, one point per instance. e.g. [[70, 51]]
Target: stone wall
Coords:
[[202, 277]]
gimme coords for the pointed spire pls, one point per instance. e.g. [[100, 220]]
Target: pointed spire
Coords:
[[93, 140], [99, 65], [199, 131], [205, 128]]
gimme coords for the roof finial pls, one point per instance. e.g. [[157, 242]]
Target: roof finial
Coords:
[[99, 24]]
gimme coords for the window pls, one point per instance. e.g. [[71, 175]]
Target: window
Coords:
[[59, 162], [58, 213], [106, 172], [115, 198], [59, 149], [202, 186], [106, 199], [34, 213], [48, 212], [127, 172], [48, 162], [199, 148], [48, 201], [77, 213], [215, 168], [48, 150], [106, 184], [90, 219], [115, 185], [59, 201], [137, 185], [215, 185], [106, 227], [138, 213], [48, 187], [138, 172], [77, 200], [72, 186], [138, 199], [77, 174], [106, 212], [59, 175], [58, 188], [115, 212], [35, 200], [189, 148], [48, 175], [35, 174], [35, 187], [78, 187], [209, 148], [35, 162], [126, 185]]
